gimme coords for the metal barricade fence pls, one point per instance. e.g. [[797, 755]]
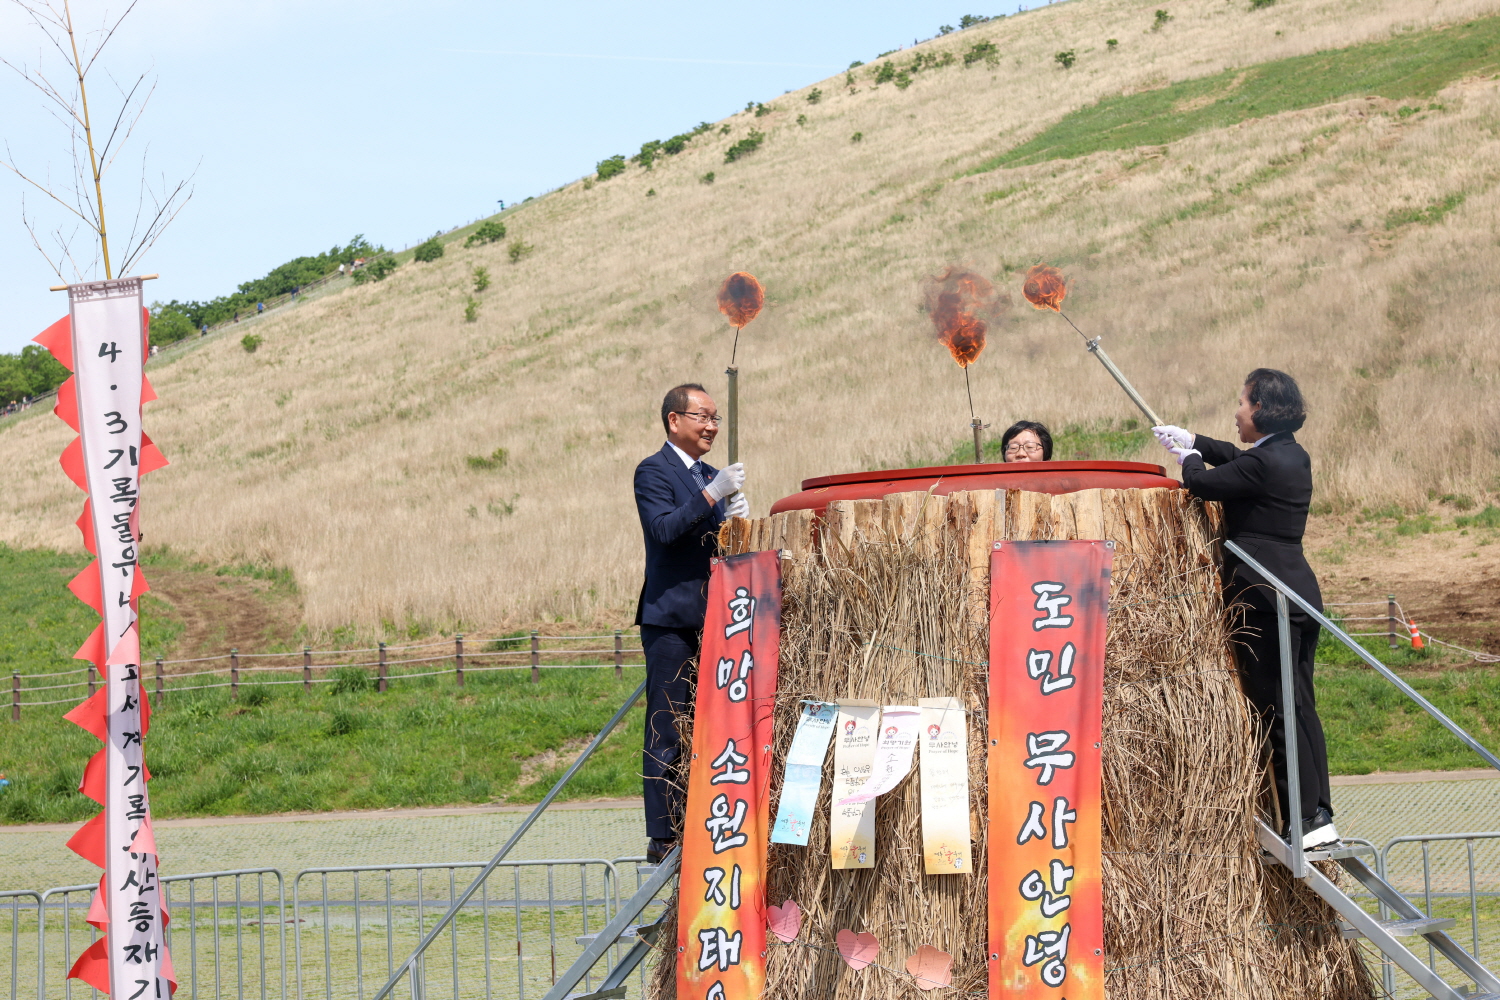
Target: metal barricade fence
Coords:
[[1453, 875], [353, 924]]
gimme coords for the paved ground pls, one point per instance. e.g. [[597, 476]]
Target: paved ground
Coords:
[[37, 857], [1375, 807]]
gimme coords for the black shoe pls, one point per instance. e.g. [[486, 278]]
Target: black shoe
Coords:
[[1318, 832], [657, 850]]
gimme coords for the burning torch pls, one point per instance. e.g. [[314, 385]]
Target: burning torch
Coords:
[[962, 304], [740, 300], [1045, 288]]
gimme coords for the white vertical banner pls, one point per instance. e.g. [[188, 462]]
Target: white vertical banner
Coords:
[[108, 340]]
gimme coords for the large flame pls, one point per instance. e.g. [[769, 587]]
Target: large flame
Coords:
[[962, 304], [1045, 287], [740, 298]]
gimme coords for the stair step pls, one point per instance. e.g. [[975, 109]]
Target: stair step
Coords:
[[629, 935], [1413, 927], [1338, 853]]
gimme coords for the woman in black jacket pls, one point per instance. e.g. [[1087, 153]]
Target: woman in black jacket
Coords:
[[1265, 491]]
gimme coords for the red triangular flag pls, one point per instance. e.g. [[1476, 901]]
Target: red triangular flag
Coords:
[[72, 464], [66, 407], [93, 648], [151, 456], [85, 586], [58, 338], [88, 842], [138, 586], [147, 393], [98, 912], [146, 330], [94, 778], [93, 966], [128, 649], [145, 840], [89, 714], [85, 524]]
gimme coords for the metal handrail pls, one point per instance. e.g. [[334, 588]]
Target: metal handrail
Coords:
[[412, 960], [1365, 655], [1297, 860]]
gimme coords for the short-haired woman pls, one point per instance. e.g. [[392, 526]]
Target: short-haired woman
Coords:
[[1026, 441], [1265, 491]]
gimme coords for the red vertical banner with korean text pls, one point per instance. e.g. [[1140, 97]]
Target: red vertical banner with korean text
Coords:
[[721, 918], [103, 341], [1048, 602]]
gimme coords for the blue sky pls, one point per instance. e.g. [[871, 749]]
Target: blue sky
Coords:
[[309, 123]]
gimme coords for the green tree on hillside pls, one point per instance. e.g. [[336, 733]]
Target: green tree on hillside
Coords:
[[30, 373]]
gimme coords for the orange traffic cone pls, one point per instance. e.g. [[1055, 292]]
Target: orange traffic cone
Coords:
[[1416, 637]]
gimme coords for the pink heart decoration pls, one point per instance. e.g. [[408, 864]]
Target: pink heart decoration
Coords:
[[931, 968], [785, 920], [858, 950]]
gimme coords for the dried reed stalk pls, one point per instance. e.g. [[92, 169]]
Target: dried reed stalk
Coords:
[[887, 599]]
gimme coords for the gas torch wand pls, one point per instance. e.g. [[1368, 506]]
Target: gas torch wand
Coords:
[[1045, 289], [740, 300]]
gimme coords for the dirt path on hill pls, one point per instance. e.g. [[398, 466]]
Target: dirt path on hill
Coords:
[[1448, 582], [223, 612]]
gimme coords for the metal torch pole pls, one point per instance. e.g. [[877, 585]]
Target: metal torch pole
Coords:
[[1135, 397], [734, 414], [978, 443]]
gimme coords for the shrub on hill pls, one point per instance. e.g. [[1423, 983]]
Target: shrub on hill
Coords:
[[294, 274], [982, 51], [745, 146], [251, 342], [519, 250], [376, 270], [611, 167], [481, 278], [429, 251], [489, 231]]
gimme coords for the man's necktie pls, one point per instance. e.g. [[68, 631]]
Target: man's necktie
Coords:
[[697, 470]]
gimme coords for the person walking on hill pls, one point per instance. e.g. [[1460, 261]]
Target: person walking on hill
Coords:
[[681, 500], [1266, 491]]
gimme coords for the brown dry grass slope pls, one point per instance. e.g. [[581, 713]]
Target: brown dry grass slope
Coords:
[[339, 448]]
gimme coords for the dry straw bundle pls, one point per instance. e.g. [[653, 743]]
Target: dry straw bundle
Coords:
[[888, 599]]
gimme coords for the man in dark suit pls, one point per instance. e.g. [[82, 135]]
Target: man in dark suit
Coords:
[[682, 501], [1265, 491]]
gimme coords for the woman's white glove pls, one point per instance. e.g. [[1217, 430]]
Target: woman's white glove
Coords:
[[729, 480], [1182, 453], [738, 506], [1171, 436]]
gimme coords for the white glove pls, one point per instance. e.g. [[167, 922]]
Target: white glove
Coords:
[[1182, 453], [1169, 435], [729, 480], [739, 506]]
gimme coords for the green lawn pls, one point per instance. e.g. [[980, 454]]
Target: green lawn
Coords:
[[281, 749], [1412, 67]]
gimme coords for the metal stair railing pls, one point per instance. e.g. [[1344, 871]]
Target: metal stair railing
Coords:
[[1409, 922], [413, 964]]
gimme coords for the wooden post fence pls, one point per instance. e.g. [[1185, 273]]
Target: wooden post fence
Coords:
[[91, 680], [619, 654], [1391, 622], [536, 658], [307, 668], [15, 696], [234, 675], [158, 681], [380, 685], [458, 657]]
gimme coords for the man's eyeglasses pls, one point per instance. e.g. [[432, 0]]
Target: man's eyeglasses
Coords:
[[702, 418], [1029, 447]]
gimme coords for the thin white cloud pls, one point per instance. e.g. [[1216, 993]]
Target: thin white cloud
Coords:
[[659, 59]]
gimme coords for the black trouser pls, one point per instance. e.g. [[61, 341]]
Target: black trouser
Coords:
[[1258, 649], [671, 668]]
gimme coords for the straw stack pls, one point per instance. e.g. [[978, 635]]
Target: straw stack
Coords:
[[888, 599]]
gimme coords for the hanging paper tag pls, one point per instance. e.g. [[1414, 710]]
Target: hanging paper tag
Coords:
[[898, 738], [803, 776], [945, 787], [851, 828]]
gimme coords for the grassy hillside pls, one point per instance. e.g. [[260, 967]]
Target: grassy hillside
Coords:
[[1280, 212]]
